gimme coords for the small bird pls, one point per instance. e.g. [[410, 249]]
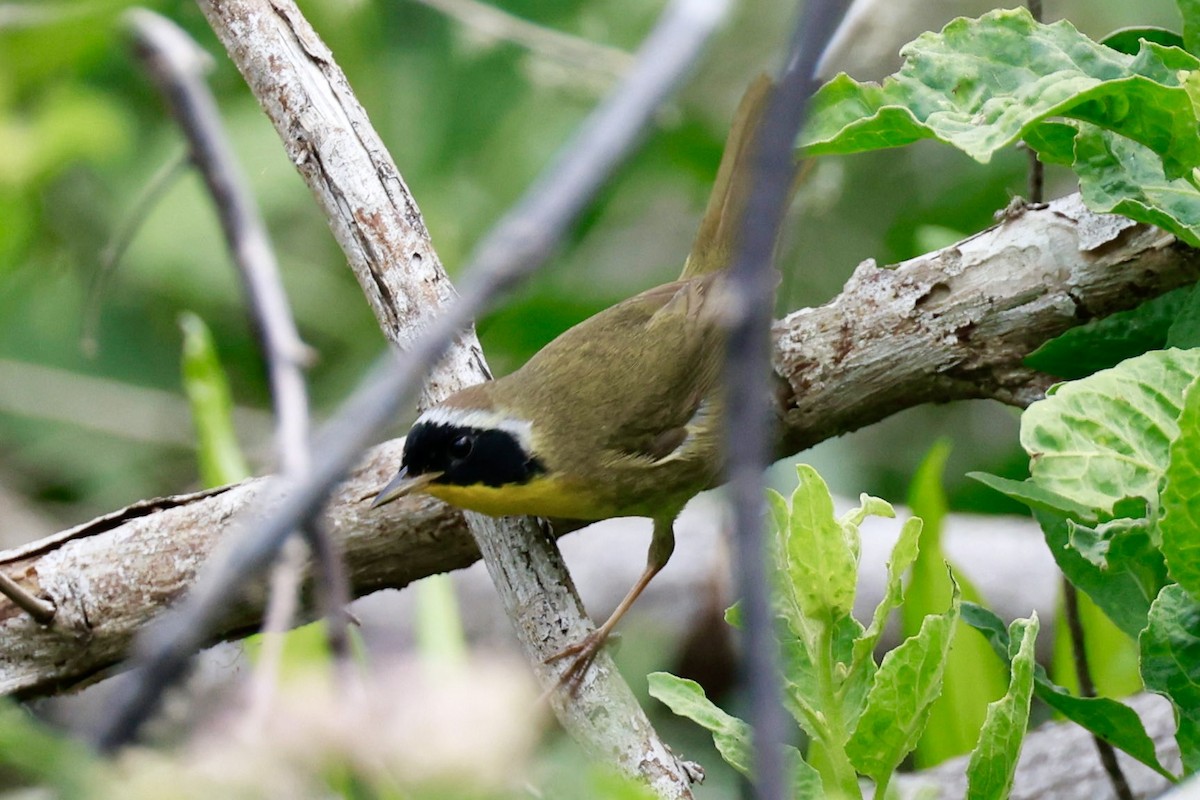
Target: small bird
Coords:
[[617, 417]]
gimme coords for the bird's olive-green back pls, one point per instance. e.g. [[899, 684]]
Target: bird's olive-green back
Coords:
[[626, 401]]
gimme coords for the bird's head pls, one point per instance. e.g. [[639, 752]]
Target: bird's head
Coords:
[[461, 444]]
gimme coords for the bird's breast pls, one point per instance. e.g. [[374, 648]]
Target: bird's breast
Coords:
[[542, 497]]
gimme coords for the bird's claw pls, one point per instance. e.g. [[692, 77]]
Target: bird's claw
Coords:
[[584, 652]]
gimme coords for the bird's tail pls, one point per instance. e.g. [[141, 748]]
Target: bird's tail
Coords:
[[716, 239]]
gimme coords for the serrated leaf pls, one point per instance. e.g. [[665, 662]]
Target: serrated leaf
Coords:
[[1179, 527], [994, 760], [972, 677], [1115, 723], [211, 405], [898, 704], [1170, 648], [1120, 176], [1105, 438], [731, 736], [904, 553], [820, 562], [1106, 342], [980, 85]]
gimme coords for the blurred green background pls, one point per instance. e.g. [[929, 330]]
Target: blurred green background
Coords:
[[470, 119]]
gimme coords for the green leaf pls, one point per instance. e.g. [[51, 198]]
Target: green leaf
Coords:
[[980, 85], [820, 557], [1119, 176], [904, 553], [1134, 570], [1185, 328], [994, 761], [1115, 723], [208, 396], [805, 695], [437, 623], [1190, 11], [1179, 527], [1106, 342], [972, 677], [897, 707], [1100, 440], [686, 698], [1129, 40], [1170, 648], [1095, 542], [1054, 142], [731, 735], [40, 755], [1037, 497], [1112, 654]]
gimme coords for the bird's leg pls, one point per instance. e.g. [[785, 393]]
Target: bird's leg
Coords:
[[661, 546]]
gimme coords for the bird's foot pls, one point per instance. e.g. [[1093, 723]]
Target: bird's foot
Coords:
[[584, 653]]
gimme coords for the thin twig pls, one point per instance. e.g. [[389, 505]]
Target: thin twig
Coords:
[[1037, 170], [570, 51], [41, 610], [522, 240], [162, 179], [177, 65], [1083, 673], [747, 371]]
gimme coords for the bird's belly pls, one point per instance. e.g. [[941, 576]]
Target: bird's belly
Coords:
[[540, 497]]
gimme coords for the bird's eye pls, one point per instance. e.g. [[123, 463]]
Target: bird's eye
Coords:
[[460, 448]]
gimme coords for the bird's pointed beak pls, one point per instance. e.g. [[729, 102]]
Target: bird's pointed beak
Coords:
[[402, 484]]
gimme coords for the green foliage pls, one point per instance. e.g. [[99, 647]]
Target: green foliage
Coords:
[[990, 771], [1178, 528], [1103, 441], [861, 718], [902, 694], [972, 678], [982, 85], [1112, 654], [30, 753], [1119, 448], [439, 631], [1170, 648], [208, 395], [1114, 722], [1126, 123], [1106, 342]]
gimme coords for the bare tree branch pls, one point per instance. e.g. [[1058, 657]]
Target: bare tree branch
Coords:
[[874, 350], [513, 250], [177, 66]]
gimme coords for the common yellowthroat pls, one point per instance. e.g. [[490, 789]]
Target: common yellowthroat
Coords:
[[617, 417]]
